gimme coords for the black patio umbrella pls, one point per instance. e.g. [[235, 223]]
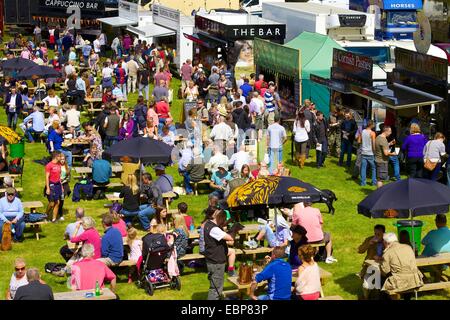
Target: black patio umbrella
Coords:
[[273, 191], [38, 72], [17, 64], [144, 149], [406, 199]]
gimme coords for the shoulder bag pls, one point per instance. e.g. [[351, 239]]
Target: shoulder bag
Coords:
[[428, 164]]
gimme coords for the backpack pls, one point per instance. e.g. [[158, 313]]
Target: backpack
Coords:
[[35, 217], [15, 166]]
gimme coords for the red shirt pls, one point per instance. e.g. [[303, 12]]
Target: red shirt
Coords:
[[162, 109], [87, 272], [189, 221], [55, 172], [122, 227], [90, 236], [258, 85]]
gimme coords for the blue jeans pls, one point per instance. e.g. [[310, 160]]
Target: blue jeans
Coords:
[[29, 133], [396, 165], [346, 148], [144, 215], [270, 236], [12, 120], [187, 181], [433, 175], [264, 297], [219, 194], [322, 154], [18, 227], [109, 141], [364, 161], [272, 152], [68, 155]]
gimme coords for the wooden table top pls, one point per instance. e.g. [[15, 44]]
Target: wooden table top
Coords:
[[421, 261], [91, 100], [107, 294], [70, 142], [32, 204], [85, 170]]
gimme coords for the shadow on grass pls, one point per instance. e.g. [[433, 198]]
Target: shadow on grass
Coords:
[[350, 283]]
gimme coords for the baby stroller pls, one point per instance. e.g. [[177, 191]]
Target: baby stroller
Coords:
[[159, 264]]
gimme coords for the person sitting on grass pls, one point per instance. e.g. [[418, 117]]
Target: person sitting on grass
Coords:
[[112, 243], [399, 267], [87, 272], [373, 247], [307, 285], [278, 274]]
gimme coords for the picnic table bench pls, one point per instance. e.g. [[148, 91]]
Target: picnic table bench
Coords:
[[13, 176], [36, 226], [106, 294], [202, 182], [83, 171], [19, 189], [253, 252]]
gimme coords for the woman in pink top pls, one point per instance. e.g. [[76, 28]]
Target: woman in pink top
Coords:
[[90, 236], [151, 112], [308, 285], [119, 224]]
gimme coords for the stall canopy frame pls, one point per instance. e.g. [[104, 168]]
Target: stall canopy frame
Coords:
[[151, 30], [117, 21], [396, 96]]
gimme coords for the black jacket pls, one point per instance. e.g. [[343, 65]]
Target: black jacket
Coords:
[[317, 137], [244, 122], [34, 291]]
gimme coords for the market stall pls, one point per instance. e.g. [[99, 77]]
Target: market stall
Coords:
[[229, 37]]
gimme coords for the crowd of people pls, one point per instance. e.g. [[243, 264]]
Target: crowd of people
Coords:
[[226, 115]]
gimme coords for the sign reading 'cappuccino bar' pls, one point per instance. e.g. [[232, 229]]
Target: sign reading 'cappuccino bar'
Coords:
[[92, 8]]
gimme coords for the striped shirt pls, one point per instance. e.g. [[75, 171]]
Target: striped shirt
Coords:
[[269, 100]]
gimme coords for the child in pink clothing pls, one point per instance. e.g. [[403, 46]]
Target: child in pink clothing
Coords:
[[119, 224]]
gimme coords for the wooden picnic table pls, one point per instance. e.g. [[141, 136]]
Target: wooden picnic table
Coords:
[[245, 288], [249, 229], [73, 246], [87, 170], [422, 262], [72, 142], [106, 294], [33, 205]]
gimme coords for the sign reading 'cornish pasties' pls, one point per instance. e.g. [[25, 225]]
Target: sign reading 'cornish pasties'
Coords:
[[91, 7]]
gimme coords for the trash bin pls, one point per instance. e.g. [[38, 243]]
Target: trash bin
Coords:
[[410, 225], [17, 150]]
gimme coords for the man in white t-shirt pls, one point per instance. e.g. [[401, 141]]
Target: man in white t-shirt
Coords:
[[217, 160], [97, 45], [256, 108], [239, 159], [73, 118], [276, 137], [221, 133]]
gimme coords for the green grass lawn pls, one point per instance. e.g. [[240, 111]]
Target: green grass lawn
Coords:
[[347, 228]]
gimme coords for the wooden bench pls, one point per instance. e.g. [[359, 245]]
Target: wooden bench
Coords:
[[19, 189], [13, 176], [195, 184], [110, 185]]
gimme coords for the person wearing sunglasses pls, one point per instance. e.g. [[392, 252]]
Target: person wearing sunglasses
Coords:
[[11, 212], [18, 278]]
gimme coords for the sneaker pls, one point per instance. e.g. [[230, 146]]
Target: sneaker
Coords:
[[330, 260], [61, 219], [251, 244], [262, 221]]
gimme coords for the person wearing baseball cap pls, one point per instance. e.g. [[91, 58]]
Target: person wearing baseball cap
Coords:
[[219, 181], [11, 212], [164, 181]]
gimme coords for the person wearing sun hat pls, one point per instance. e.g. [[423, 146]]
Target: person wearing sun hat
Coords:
[[219, 181]]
